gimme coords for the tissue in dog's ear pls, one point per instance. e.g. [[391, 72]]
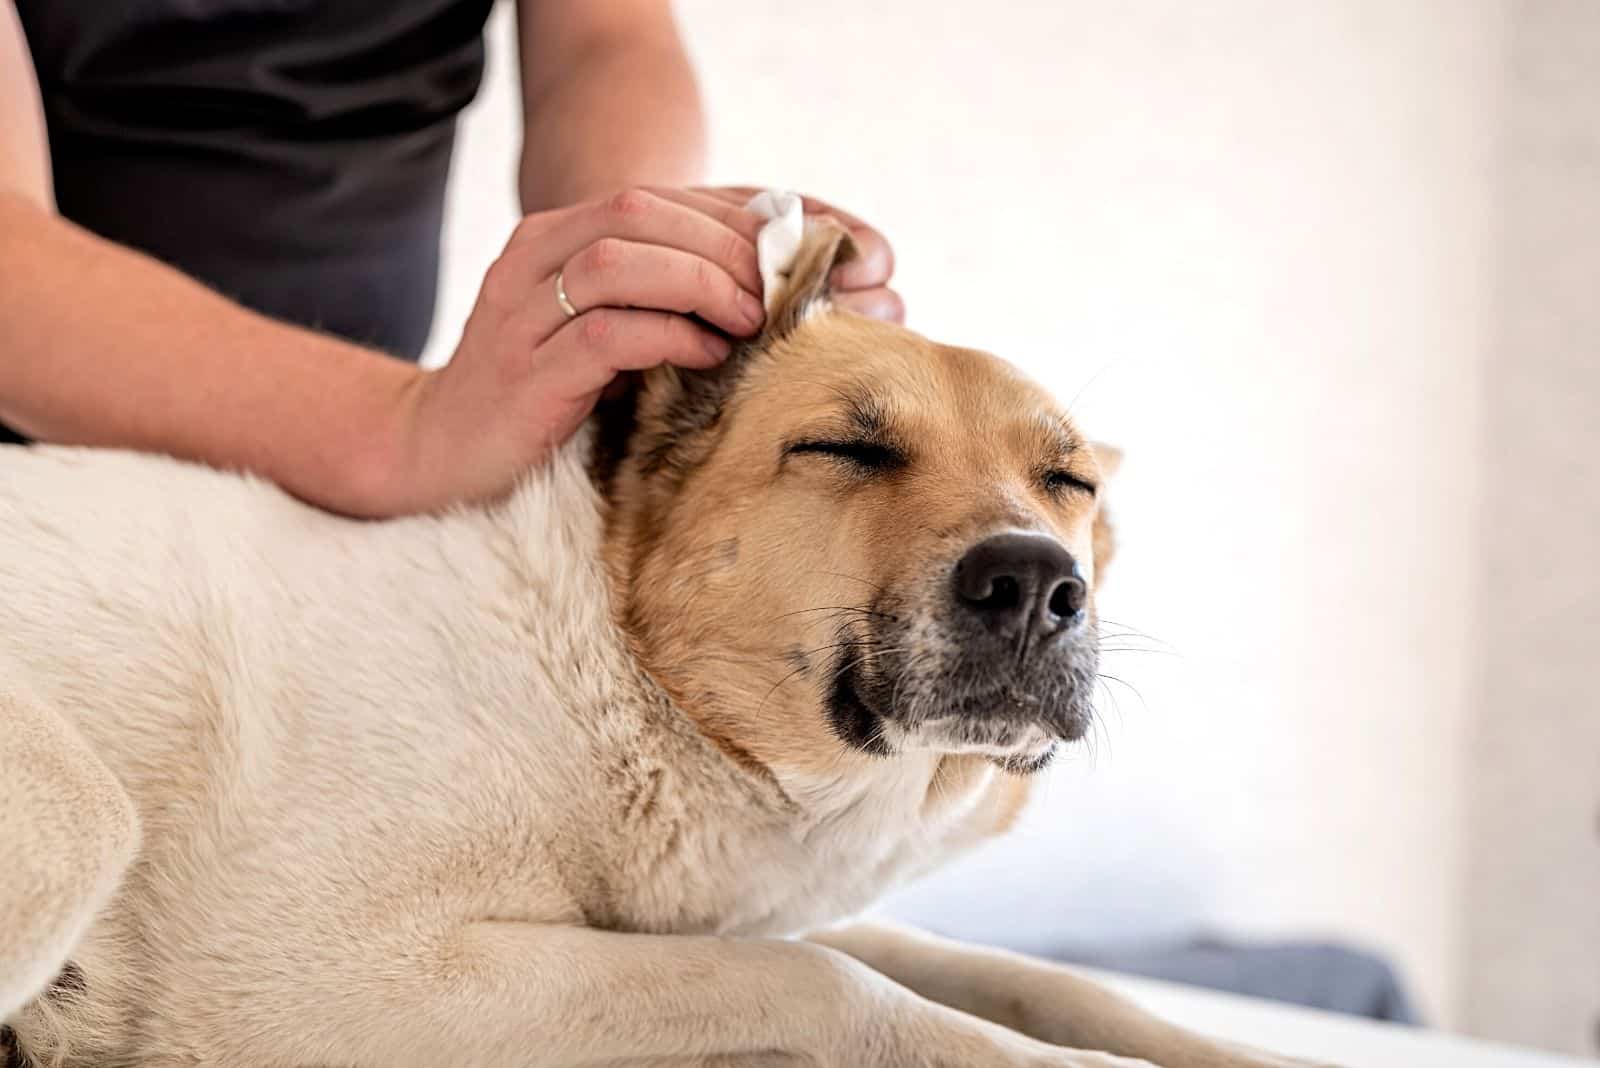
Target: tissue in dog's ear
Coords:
[[825, 246]]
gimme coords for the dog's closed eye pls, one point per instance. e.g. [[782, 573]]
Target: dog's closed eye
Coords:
[[1057, 481], [872, 457]]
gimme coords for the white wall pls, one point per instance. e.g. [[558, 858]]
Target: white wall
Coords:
[[1251, 242], [1533, 887]]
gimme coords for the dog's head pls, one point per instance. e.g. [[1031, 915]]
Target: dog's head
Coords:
[[850, 539]]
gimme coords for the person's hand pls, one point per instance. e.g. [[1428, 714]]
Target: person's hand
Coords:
[[862, 284], [526, 373], [655, 276]]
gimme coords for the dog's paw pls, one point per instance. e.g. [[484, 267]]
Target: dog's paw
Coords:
[[980, 1044]]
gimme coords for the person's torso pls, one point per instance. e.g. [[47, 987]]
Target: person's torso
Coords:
[[292, 154]]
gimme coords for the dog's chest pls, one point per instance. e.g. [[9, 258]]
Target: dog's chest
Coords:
[[708, 864]]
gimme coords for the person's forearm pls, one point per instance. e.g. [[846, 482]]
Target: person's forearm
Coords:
[[617, 114], [100, 345]]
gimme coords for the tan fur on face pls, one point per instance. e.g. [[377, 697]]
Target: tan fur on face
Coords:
[[736, 563]]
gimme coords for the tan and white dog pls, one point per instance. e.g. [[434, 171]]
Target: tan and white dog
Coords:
[[560, 781]]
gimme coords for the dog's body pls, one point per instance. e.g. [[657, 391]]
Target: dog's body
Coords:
[[322, 725], [491, 788]]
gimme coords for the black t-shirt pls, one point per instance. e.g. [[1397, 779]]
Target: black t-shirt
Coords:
[[292, 154]]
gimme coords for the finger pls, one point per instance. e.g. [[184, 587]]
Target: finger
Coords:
[[637, 215], [873, 264], [584, 356], [741, 194], [730, 212], [880, 303], [628, 274]]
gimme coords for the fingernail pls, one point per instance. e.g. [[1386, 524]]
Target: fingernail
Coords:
[[717, 347], [750, 307]]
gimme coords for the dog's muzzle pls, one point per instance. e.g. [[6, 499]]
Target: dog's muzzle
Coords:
[[997, 659]]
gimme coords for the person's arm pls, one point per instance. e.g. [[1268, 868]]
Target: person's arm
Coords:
[[609, 101], [102, 345], [24, 154]]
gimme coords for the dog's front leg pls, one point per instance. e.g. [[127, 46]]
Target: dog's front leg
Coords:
[[68, 831], [1036, 998], [512, 995]]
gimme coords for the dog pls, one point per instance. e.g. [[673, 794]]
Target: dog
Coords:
[[595, 775]]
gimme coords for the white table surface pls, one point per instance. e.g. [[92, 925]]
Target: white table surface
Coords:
[[1348, 1041]]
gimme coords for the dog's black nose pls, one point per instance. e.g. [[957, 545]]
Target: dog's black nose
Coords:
[[1022, 584]]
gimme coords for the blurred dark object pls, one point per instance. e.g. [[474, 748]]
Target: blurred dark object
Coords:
[[1320, 975]]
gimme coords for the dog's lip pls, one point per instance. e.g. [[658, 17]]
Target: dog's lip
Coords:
[[1007, 706], [854, 718], [1032, 751], [1002, 735]]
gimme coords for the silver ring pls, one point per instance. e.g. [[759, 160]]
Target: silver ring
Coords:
[[561, 296]]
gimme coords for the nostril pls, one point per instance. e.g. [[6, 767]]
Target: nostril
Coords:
[[1068, 598], [1004, 593], [989, 591]]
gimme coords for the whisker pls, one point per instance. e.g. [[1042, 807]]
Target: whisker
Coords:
[[1128, 630], [872, 653], [1108, 365], [777, 686], [858, 609], [852, 578], [1143, 704]]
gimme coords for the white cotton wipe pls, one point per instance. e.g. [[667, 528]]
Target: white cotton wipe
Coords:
[[779, 241]]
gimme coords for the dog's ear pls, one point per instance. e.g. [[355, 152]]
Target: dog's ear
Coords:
[[826, 245], [667, 425], [1109, 459]]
